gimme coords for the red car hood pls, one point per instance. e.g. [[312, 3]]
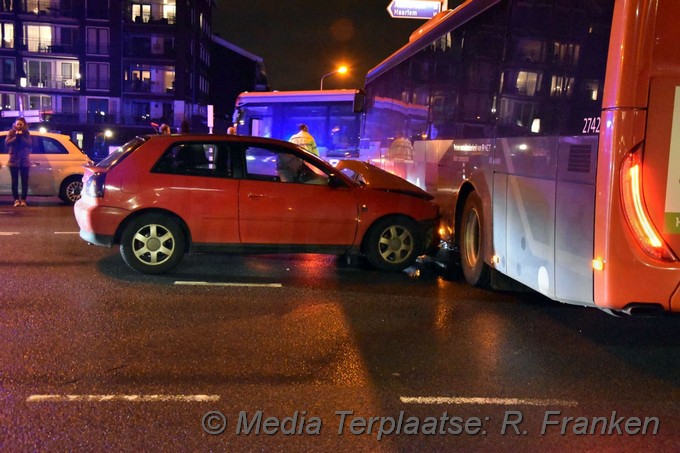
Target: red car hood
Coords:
[[379, 179]]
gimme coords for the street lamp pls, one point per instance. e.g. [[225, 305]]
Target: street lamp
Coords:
[[340, 70]]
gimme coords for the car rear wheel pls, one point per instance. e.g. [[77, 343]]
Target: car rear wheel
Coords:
[[152, 244], [472, 250], [70, 189], [392, 244]]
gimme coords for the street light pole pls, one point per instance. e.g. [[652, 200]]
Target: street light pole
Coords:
[[324, 76], [341, 70]]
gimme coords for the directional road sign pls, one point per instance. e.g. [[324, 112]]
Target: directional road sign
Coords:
[[414, 9]]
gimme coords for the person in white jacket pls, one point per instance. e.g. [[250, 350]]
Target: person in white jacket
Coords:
[[305, 140]]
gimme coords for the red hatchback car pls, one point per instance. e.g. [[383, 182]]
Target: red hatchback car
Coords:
[[162, 196]]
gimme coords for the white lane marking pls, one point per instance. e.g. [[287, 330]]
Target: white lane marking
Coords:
[[262, 285], [488, 401], [12, 233], [128, 398]]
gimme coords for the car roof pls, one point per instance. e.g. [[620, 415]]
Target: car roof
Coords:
[[44, 134], [251, 139]]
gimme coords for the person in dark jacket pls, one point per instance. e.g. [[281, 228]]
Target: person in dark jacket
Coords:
[[18, 146]]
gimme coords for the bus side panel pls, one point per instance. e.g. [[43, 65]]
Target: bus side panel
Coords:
[[524, 172], [574, 243], [543, 214], [531, 232], [575, 214]]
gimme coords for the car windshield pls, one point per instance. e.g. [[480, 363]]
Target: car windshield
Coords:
[[120, 152]]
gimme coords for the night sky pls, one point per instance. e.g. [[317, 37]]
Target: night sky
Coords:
[[300, 41]]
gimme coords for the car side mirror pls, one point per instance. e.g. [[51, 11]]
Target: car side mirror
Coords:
[[334, 182]]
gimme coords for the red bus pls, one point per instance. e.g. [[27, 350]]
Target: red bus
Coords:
[[552, 141]]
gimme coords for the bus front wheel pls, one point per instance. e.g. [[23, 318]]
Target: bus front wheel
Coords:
[[471, 242]]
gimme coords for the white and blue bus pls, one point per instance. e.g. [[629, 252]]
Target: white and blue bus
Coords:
[[332, 116]]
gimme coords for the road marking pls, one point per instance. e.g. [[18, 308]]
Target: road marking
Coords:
[[13, 233], [128, 398], [489, 401], [262, 285]]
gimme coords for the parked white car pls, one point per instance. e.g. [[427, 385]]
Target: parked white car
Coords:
[[56, 167]]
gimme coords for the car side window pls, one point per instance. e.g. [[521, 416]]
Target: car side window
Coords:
[[196, 159], [260, 164], [46, 145], [39, 145], [265, 164]]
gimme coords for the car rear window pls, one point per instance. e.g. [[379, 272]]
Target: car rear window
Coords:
[[120, 153], [196, 159]]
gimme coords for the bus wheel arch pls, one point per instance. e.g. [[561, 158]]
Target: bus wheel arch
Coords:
[[470, 231]]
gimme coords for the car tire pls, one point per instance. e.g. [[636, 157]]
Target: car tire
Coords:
[[471, 242], [152, 244], [70, 189], [392, 244]]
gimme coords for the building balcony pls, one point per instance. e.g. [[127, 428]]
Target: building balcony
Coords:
[[45, 9], [53, 83], [148, 51], [151, 20], [146, 87], [34, 45]]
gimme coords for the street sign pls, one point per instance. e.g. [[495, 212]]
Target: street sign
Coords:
[[15, 113], [414, 9]]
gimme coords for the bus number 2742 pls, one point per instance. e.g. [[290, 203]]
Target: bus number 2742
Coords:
[[591, 125]]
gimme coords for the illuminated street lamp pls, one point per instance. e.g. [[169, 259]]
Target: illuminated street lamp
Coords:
[[341, 70]]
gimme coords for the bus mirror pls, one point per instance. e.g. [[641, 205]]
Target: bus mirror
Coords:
[[359, 100]]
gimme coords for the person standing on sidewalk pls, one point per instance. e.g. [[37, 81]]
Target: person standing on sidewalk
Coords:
[[18, 146]]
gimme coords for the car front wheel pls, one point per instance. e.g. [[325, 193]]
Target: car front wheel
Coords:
[[392, 244], [152, 244]]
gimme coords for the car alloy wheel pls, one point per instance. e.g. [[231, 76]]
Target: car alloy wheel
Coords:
[[393, 243], [152, 244], [70, 189]]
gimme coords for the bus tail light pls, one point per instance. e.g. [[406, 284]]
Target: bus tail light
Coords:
[[636, 214]]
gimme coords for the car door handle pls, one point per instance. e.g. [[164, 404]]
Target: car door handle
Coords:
[[255, 195], [35, 164]]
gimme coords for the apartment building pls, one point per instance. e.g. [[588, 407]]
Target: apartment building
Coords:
[[103, 71]]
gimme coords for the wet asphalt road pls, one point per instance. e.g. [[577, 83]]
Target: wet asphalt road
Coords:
[[306, 352]]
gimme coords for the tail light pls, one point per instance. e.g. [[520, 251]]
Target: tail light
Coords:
[[635, 209], [94, 186]]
